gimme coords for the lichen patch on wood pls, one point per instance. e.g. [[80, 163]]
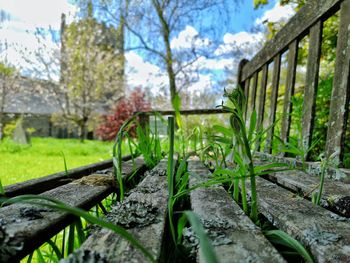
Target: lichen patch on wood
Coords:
[[233, 234], [143, 213], [318, 229]]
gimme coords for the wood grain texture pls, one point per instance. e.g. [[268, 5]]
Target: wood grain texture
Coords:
[[42, 184], [261, 105], [273, 104], [311, 83], [24, 227], [341, 84], [143, 213], [235, 237], [290, 83], [326, 234]]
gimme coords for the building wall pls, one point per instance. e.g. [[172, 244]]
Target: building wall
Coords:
[[42, 125]]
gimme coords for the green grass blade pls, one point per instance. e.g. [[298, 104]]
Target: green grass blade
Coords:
[[71, 237], [170, 175], [281, 237], [30, 257], [204, 242], [2, 190], [180, 226], [40, 256], [80, 232], [55, 204], [225, 131], [55, 248], [65, 164], [252, 125]]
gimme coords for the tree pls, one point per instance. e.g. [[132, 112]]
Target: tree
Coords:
[[88, 71], [123, 110], [153, 24], [88, 63], [8, 87]]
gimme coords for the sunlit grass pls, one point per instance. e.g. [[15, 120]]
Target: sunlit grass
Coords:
[[44, 156]]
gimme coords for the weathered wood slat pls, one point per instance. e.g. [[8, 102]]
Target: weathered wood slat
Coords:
[[326, 234], [24, 227], [341, 84], [261, 106], [273, 101], [143, 212], [313, 168], [253, 90], [246, 94], [240, 82], [42, 184], [252, 95], [190, 112], [290, 83], [296, 28], [313, 66], [336, 195], [234, 236]]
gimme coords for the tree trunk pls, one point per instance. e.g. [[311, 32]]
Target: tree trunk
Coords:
[[169, 54]]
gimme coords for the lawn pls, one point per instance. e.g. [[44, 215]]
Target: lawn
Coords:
[[44, 156]]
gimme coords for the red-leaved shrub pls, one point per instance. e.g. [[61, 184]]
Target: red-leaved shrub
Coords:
[[122, 111]]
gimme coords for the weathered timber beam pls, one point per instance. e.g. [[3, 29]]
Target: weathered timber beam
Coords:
[[339, 108], [335, 195], [313, 168], [143, 213], [234, 236], [327, 235], [189, 112], [297, 27], [25, 227], [42, 184]]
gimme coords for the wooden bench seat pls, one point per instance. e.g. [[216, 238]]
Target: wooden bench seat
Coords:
[[143, 213], [46, 183], [236, 237], [326, 234], [25, 227]]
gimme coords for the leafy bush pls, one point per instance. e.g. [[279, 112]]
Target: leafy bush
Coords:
[[9, 128], [122, 111]]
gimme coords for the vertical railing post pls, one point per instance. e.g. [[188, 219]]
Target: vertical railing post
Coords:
[[261, 107], [312, 74], [240, 82], [252, 95], [341, 84], [274, 93], [290, 84], [144, 121]]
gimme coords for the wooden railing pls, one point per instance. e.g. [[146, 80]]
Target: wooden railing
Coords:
[[308, 21]]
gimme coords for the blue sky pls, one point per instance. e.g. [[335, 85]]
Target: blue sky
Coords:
[[27, 15]]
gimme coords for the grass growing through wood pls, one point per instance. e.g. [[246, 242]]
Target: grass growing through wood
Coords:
[[148, 144], [242, 140], [55, 204], [23, 162]]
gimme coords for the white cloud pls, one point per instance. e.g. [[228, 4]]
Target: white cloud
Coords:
[[241, 42], [276, 14], [140, 73], [189, 38], [38, 13], [19, 31]]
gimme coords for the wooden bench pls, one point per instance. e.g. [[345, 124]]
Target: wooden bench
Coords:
[[25, 227], [283, 197]]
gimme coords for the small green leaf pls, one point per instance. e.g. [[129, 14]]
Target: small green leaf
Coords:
[[281, 237], [2, 190], [205, 245]]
